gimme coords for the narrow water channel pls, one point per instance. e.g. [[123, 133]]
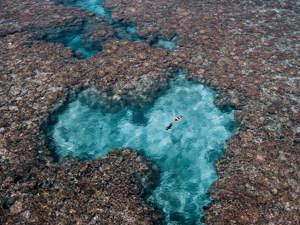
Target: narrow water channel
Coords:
[[75, 38]]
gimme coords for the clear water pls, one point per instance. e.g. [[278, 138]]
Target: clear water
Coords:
[[169, 45], [185, 154], [92, 6], [123, 30], [73, 39], [74, 42]]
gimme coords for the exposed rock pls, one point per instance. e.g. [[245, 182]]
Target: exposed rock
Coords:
[[247, 50], [35, 82]]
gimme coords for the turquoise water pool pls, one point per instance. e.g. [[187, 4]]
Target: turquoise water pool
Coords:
[[123, 30], [185, 154]]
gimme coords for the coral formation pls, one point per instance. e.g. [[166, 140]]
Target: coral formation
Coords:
[[246, 50]]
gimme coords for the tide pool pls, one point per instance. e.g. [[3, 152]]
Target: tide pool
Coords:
[[124, 30], [185, 154]]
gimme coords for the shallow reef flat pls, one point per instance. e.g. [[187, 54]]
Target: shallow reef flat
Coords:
[[37, 82], [246, 50]]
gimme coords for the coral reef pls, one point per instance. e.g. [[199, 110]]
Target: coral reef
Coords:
[[247, 50], [36, 80]]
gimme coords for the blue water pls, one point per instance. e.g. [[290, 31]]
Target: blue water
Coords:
[[185, 154], [74, 41], [92, 6], [123, 30], [169, 45]]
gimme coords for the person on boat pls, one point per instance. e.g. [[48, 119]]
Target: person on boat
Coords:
[[176, 119]]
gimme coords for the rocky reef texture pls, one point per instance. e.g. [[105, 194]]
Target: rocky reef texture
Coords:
[[250, 51], [35, 82], [34, 16], [105, 191], [54, 23], [246, 49]]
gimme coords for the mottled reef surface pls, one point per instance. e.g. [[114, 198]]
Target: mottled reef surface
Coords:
[[247, 50]]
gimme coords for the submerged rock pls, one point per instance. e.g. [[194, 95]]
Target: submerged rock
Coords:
[[37, 81], [245, 49], [104, 191]]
